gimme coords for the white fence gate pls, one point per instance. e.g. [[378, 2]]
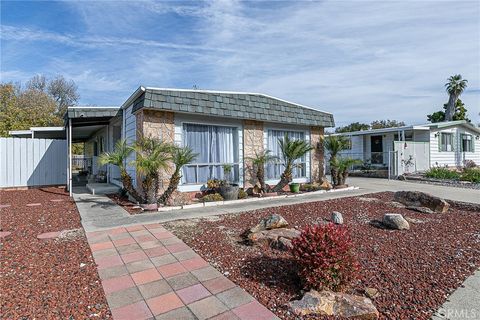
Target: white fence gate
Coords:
[[412, 156], [32, 162]]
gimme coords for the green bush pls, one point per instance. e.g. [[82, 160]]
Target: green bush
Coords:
[[471, 174], [212, 197], [242, 194], [442, 173]]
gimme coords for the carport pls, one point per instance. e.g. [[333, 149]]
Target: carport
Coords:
[[81, 124]]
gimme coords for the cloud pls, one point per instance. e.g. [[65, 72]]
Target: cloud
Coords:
[[361, 60]]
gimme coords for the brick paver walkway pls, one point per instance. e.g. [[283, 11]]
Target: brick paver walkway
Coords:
[[149, 273]]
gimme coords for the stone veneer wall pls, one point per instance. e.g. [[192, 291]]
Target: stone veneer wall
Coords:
[[157, 124], [252, 142], [317, 161]]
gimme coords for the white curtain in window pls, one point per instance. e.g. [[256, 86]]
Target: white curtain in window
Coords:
[[215, 146], [274, 170]]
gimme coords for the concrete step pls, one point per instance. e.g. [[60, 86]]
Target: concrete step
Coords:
[[102, 188]]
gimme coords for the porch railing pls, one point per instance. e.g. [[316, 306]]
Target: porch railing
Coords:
[[80, 162]]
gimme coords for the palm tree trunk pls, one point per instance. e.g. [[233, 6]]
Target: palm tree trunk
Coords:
[[128, 185], [450, 107], [172, 186], [285, 179], [261, 177], [148, 185]]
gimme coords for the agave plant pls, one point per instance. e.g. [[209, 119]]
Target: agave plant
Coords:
[[342, 167], [152, 155], [334, 145], [259, 162], [181, 157], [119, 158], [291, 151]]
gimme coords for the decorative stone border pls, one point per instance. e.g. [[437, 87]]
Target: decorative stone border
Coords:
[[221, 203]]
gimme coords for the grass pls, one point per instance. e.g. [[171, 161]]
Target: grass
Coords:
[[442, 173]]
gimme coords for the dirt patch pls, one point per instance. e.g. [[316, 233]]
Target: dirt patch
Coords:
[[47, 279], [414, 270]]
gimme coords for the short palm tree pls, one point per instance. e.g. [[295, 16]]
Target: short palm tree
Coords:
[[259, 162], [454, 87], [181, 157], [343, 166], [152, 155], [119, 158], [335, 145], [291, 151]]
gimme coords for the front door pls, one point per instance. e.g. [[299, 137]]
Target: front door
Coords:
[[376, 149]]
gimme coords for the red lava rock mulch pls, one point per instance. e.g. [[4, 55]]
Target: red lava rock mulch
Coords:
[[414, 270], [123, 202], [42, 279]]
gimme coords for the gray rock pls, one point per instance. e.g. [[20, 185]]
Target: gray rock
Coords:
[[273, 221], [421, 209], [275, 238], [395, 221], [421, 199], [334, 304], [337, 217]]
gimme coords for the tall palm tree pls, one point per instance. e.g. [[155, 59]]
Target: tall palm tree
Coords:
[[291, 151], [181, 157], [152, 155], [454, 87], [259, 162], [118, 158], [335, 145]]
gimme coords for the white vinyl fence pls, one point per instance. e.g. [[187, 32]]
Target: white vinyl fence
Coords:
[[32, 162]]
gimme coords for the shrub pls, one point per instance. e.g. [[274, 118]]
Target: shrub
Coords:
[[212, 197], [325, 257], [213, 183], [469, 164], [242, 194], [442, 173], [471, 174]]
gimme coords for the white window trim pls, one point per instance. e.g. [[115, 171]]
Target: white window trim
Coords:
[[306, 132], [181, 119]]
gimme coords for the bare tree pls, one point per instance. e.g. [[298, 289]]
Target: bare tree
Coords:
[[64, 92], [37, 82]]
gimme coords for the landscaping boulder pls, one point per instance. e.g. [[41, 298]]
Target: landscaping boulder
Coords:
[[422, 199], [273, 221], [395, 221], [421, 209], [275, 238], [325, 185], [337, 217], [327, 303]]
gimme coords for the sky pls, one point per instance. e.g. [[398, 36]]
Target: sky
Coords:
[[360, 60]]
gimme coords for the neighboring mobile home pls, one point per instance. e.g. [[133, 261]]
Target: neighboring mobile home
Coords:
[[417, 147], [221, 127]]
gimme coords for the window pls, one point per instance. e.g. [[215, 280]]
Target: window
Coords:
[[274, 170], [446, 141], [467, 143], [215, 146], [349, 143]]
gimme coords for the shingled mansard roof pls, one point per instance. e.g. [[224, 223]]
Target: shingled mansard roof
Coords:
[[238, 105]]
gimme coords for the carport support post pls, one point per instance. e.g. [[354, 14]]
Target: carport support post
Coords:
[[70, 157]]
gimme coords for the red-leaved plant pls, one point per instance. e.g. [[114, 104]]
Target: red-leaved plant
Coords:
[[325, 257]]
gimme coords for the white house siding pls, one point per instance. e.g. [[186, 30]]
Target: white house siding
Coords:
[[456, 157], [181, 118], [129, 133]]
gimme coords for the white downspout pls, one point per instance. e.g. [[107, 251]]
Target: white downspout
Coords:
[[70, 156]]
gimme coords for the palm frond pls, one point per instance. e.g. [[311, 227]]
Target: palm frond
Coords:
[[118, 156]]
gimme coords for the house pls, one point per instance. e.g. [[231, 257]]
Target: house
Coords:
[[417, 147], [221, 127]]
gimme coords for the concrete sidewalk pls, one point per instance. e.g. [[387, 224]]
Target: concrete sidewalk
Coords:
[[463, 303]]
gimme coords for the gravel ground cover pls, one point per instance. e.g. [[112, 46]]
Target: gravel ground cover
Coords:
[[130, 207], [46, 279], [414, 270]]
